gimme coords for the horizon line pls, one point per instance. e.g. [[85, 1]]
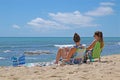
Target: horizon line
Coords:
[[46, 36]]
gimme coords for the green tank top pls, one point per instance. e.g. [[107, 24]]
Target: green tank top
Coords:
[[96, 50]]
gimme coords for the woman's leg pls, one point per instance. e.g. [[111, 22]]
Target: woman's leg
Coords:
[[85, 56], [61, 54], [88, 54]]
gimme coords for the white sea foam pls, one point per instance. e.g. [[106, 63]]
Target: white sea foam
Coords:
[[67, 45], [7, 51], [2, 58], [61, 46], [9, 46], [40, 64], [118, 43]]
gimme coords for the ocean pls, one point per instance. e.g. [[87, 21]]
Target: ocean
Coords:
[[17, 46]]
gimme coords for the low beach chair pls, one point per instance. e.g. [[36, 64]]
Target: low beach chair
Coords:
[[21, 60], [96, 53], [18, 61], [14, 61], [77, 58]]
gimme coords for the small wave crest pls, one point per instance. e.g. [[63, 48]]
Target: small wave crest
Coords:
[[67, 45], [61, 46], [1, 58], [37, 52], [118, 43], [9, 46], [31, 58], [7, 51]]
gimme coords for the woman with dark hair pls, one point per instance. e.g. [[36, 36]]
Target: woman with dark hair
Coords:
[[66, 53]]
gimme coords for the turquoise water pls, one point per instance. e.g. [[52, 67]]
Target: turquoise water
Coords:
[[16, 46]]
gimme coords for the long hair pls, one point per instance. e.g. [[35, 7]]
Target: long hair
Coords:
[[100, 35]]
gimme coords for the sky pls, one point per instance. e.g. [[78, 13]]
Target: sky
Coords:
[[59, 18]]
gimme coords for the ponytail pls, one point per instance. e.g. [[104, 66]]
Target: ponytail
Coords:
[[100, 35]]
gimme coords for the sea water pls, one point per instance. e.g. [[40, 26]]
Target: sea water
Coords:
[[17, 46]]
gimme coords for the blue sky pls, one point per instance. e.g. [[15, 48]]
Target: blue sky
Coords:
[[59, 18]]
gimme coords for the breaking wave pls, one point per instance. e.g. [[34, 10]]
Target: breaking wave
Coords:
[[61, 46], [7, 51]]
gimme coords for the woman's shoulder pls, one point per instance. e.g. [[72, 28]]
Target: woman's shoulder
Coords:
[[94, 41]]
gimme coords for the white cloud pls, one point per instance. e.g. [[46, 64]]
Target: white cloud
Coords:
[[74, 18], [42, 23], [101, 11], [16, 26], [107, 4], [104, 9], [63, 21]]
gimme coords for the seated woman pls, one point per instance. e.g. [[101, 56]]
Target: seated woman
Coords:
[[66, 53], [98, 38]]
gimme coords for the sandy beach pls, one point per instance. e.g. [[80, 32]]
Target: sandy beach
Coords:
[[107, 69]]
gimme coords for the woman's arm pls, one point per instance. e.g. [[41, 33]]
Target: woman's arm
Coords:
[[91, 45]]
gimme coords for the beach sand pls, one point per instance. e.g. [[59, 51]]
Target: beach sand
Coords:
[[107, 69]]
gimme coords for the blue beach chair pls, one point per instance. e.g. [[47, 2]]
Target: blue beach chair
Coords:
[[15, 61], [21, 60], [18, 61]]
